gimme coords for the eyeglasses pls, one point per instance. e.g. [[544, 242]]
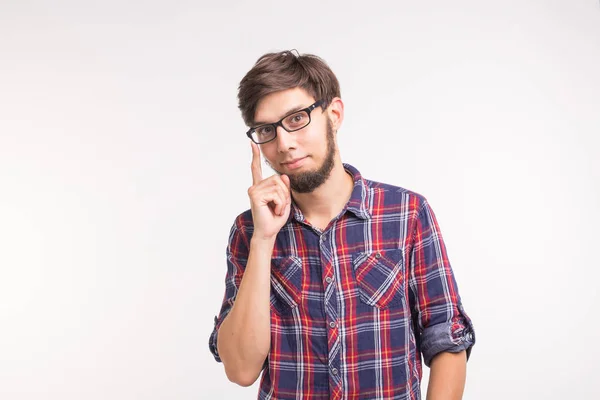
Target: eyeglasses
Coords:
[[292, 122]]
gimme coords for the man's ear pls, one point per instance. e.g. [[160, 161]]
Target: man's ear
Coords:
[[336, 112]]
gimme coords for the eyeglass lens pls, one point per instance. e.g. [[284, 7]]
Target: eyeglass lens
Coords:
[[290, 123]]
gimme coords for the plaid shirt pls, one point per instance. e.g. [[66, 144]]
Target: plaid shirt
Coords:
[[354, 307]]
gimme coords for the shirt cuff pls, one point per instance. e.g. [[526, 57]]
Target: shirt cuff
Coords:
[[212, 341], [452, 337], [212, 344]]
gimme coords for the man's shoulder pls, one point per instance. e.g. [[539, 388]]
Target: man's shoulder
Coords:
[[240, 233], [409, 195], [243, 221]]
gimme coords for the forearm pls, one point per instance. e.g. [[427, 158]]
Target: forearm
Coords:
[[244, 338], [447, 376]]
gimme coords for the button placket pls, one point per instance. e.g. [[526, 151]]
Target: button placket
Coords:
[[331, 310]]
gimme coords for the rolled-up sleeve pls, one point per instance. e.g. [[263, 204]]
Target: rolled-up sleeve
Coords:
[[237, 257], [443, 324]]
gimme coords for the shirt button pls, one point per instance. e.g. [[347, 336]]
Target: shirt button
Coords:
[[332, 324], [328, 279], [378, 255], [334, 371]]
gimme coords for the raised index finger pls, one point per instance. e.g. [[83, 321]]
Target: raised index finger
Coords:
[[256, 167]]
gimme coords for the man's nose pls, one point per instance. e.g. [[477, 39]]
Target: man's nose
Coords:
[[285, 139]]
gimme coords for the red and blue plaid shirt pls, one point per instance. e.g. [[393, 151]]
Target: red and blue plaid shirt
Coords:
[[354, 307]]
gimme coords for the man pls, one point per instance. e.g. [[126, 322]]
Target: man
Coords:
[[336, 285]]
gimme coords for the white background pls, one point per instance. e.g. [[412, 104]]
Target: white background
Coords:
[[123, 163]]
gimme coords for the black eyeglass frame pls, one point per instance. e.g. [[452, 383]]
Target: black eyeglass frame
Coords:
[[308, 111]]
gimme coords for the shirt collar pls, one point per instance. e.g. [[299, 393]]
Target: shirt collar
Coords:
[[358, 204]]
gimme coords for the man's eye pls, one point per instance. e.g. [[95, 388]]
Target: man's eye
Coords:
[[296, 120], [265, 130]]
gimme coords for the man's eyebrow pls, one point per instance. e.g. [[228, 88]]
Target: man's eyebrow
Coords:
[[288, 112]]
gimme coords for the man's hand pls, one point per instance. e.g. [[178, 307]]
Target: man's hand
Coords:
[[270, 199]]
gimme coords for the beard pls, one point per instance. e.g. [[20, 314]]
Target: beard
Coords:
[[306, 182]]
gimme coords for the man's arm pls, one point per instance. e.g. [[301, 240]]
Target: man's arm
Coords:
[[442, 325], [447, 376], [244, 338], [241, 338]]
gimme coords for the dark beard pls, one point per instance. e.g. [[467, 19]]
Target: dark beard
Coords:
[[306, 182]]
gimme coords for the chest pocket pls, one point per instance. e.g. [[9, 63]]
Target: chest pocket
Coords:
[[380, 277], [286, 283]]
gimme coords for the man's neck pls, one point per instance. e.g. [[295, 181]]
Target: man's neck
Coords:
[[325, 203]]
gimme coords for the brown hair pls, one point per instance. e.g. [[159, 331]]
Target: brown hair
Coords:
[[274, 72]]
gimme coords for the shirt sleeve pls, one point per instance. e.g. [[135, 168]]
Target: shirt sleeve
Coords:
[[441, 321], [237, 257]]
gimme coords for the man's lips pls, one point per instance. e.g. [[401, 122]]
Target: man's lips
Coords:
[[294, 162]]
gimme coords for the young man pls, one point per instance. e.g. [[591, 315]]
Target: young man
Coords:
[[336, 285]]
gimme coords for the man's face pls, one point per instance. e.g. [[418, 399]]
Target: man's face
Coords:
[[312, 148]]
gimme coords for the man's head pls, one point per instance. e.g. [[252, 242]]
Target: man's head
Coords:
[[280, 84]]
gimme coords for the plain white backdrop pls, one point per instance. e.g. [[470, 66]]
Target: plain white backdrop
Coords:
[[123, 163]]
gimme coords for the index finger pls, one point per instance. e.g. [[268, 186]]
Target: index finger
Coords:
[[256, 167]]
